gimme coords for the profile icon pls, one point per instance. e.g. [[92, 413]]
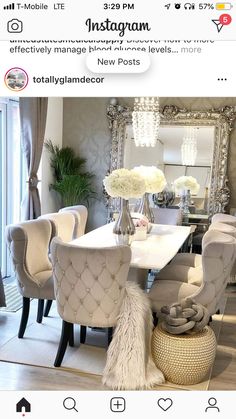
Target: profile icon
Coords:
[[212, 405], [16, 79]]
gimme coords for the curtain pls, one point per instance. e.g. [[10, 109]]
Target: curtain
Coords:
[[33, 115]]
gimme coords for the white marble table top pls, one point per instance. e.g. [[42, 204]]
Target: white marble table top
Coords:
[[161, 245]]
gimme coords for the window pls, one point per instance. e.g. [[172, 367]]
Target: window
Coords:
[[13, 173]]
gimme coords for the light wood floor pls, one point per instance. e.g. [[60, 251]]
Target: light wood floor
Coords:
[[23, 377]]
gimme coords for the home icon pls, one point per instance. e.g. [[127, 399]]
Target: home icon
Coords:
[[23, 406]]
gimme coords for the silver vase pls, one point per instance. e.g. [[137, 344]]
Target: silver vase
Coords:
[[145, 209], [124, 227]]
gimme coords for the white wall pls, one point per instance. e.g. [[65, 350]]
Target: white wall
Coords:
[[54, 126]]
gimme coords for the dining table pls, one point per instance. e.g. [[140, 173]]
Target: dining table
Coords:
[[162, 243]]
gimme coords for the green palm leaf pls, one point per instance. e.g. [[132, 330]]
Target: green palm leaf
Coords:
[[74, 187]]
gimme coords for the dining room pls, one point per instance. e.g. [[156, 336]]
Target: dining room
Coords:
[[118, 243]]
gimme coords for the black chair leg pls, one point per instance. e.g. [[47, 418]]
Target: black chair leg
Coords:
[[83, 331], [109, 335], [24, 317], [71, 337], [47, 308], [40, 311], [65, 337], [155, 319]]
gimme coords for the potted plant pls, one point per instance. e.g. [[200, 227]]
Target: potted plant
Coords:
[[72, 183], [183, 345]]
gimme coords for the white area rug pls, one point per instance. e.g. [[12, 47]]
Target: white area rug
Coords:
[[13, 298], [39, 348], [40, 343]]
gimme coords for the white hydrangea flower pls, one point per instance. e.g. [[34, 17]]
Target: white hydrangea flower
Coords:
[[187, 182], [155, 180], [125, 184]]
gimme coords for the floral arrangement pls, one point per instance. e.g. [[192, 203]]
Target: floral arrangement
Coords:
[[124, 183], [155, 180], [184, 317], [187, 183]]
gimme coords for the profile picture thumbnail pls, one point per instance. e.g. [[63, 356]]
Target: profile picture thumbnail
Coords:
[[16, 79]]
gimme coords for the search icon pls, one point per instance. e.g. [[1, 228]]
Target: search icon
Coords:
[[69, 404]]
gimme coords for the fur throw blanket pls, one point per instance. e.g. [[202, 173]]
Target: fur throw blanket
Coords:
[[129, 364]]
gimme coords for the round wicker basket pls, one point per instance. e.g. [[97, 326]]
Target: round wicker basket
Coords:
[[184, 359]]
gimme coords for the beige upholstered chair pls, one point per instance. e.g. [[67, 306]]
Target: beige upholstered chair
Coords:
[[63, 224], [28, 243], [89, 288], [82, 214], [168, 216], [194, 260], [219, 251], [187, 267], [224, 218]]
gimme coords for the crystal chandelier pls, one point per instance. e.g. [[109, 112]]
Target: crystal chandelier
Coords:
[[189, 147], [146, 121]]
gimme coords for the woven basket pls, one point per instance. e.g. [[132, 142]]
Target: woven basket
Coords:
[[184, 359]]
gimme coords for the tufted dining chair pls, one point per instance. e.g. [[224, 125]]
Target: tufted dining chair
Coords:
[[63, 224], [187, 267], [219, 252], [28, 243], [194, 259], [171, 216], [89, 288], [82, 216], [224, 218]]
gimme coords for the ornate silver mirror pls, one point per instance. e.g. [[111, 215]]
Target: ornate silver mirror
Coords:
[[213, 132]]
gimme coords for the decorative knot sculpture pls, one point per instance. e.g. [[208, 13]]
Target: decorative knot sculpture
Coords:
[[184, 317]]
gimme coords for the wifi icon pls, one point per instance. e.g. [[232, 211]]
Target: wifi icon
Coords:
[[10, 6]]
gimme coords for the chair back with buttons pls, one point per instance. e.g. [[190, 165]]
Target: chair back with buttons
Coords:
[[28, 243], [227, 229], [89, 282], [82, 216], [224, 218], [223, 228], [218, 256], [63, 225]]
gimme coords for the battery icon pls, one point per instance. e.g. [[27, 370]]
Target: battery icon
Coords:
[[223, 6]]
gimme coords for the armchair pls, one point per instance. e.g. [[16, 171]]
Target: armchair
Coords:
[[89, 288], [219, 252], [28, 243]]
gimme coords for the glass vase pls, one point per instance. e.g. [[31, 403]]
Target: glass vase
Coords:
[[145, 209], [124, 227], [184, 202]]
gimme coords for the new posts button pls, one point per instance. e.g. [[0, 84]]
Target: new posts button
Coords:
[[118, 62]]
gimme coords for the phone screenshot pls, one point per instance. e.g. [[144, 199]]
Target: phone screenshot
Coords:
[[117, 209]]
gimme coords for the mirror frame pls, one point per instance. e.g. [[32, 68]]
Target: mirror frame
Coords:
[[222, 119]]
